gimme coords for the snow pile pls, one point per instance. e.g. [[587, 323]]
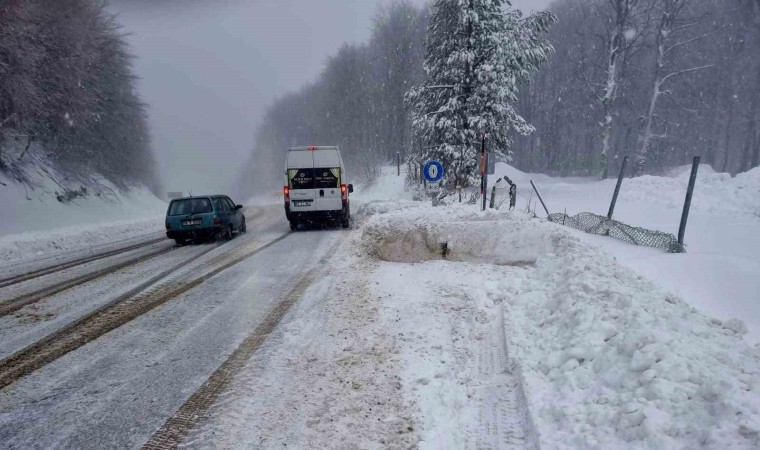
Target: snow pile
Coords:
[[485, 238], [611, 360], [606, 359], [713, 192]]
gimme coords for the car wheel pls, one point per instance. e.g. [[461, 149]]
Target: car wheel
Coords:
[[244, 227], [230, 234], [345, 222], [180, 242], [293, 225]]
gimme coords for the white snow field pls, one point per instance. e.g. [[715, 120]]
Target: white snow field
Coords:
[[36, 225], [524, 336], [719, 274]]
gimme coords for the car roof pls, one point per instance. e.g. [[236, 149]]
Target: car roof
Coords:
[[313, 148], [201, 196]]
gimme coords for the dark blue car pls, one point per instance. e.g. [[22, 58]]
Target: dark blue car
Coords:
[[204, 218]]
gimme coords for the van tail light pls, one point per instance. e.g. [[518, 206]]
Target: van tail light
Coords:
[[344, 193], [217, 222], [286, 192]]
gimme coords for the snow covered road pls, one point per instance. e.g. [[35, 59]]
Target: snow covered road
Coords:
[[118, 389]]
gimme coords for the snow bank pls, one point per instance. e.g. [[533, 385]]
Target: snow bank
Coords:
[[34, 222], [713, 193], [606, 358], [719, 274], [484, 238]]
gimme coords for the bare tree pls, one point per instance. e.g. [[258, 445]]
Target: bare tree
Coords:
[[620, 36], [667, 39]]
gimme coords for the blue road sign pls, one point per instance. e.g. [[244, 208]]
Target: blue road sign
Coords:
[[433, 171]]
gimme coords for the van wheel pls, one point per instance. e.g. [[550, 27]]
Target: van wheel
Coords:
[[345, 221], [293, 225]]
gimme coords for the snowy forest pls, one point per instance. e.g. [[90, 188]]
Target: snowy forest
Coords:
[[357, 103], [657, 80], [67, 94]]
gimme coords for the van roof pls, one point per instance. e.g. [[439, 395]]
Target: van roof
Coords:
[[313, 147]]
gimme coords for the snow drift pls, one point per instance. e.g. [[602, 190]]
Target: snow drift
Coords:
[[608, 359]]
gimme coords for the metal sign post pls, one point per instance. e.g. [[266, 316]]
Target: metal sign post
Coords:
[[483, 176], [617, 188], [687, 202], [542, 200]]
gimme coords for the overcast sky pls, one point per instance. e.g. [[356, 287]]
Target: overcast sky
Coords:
[[209, 68]]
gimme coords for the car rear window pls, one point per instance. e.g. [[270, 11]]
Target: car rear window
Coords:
[[301, 178], [328, 177], [190, 206]]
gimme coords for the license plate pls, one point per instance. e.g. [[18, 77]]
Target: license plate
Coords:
[[301, 202], [191, 222]]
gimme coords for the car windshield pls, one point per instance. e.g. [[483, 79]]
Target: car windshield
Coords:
[[190, 206]]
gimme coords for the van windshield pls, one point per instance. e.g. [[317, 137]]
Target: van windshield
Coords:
[[190, 206]]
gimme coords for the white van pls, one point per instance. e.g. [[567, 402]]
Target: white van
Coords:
[[315, 186]]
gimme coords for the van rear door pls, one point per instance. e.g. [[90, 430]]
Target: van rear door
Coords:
[[301, 180], [327, 180]]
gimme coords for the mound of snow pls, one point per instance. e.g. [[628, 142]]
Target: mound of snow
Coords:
[[608, 359], [487, 238], [714, 192]]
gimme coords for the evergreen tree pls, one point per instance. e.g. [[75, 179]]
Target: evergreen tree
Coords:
[[479, 53]]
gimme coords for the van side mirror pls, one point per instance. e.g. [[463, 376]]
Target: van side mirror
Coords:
[[350, 188], [238, 206]]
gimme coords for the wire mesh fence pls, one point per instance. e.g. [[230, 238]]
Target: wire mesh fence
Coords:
[[595, 224]]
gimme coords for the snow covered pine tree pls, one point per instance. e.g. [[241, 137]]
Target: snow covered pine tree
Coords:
[[479, 53]]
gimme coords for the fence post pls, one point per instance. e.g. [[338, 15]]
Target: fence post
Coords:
[[617, 188], [687, 202], [541, 200], [493, 196], [398, 163]]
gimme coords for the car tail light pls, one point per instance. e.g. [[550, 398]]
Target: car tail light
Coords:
[[286, 191], [312, 147], [344, 193], [217, 222]]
